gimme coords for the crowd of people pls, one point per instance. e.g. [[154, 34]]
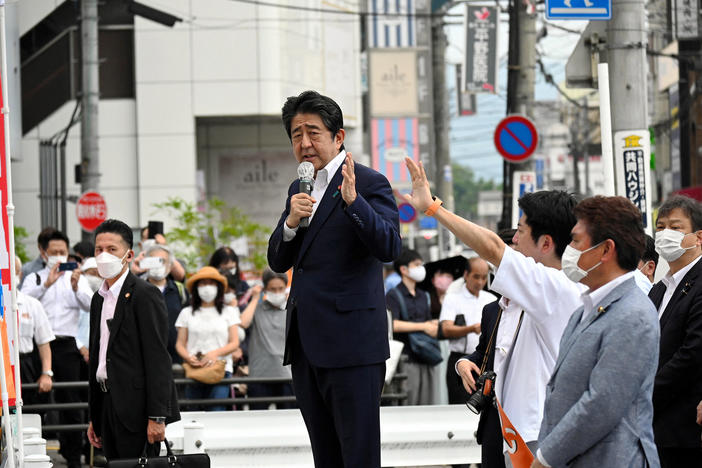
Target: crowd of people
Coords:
[[208, 315], [556, 326]]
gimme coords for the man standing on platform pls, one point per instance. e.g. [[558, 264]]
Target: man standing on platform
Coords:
[[336, 332]]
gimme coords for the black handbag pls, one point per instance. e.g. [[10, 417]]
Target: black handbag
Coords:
[[194, 460], [425, 348]]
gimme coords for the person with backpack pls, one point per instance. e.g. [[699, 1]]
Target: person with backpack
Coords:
[[174, 292], [412, 325]]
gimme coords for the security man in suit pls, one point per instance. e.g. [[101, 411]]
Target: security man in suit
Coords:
[[678, 299], [336, 331], [130, 403]]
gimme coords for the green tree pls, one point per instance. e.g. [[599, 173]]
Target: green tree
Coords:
[[466, 188], [199, 232], [21, 235]]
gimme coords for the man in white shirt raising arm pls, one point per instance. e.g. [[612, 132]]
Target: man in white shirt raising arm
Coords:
[[538, 298]]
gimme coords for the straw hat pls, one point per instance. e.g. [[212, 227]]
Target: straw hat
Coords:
[[207, 272]]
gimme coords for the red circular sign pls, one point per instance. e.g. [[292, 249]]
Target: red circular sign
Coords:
[[516, 138], [91, 210]]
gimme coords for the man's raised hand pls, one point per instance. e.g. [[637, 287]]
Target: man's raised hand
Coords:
[[421, 193]]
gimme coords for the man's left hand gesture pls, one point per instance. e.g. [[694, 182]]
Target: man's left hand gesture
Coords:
[[421, 193], [348, 186]]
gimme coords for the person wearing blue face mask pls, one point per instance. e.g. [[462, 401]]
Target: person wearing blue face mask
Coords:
[[264, 319], [678, 299]]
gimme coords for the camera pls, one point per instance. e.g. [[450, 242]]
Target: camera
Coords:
[[484, 392]]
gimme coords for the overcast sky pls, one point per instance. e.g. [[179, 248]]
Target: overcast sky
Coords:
[[471, 137]]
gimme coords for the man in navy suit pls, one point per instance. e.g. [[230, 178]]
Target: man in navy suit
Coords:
[[337, 336]]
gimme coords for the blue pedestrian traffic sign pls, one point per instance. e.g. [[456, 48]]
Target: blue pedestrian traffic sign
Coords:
[[407, 212], [578, 9]]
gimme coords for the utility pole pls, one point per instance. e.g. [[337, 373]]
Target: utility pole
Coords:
[[90, 99], [443, 174], [520, 86], [626, 56], [626, 43]]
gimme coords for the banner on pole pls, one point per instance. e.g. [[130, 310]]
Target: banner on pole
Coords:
[[480, 59], [632, 156]]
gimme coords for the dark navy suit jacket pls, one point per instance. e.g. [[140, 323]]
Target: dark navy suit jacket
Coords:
[[337, 292]]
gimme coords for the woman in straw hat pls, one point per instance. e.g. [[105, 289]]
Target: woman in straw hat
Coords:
[[208, 333]]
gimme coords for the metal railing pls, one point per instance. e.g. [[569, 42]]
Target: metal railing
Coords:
[[394, 396]]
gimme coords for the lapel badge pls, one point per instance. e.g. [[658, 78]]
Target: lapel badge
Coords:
[[601, 310], [337, 191], [686, 288], [126, 296]]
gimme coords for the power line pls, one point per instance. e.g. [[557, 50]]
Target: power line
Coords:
[[344, 12]]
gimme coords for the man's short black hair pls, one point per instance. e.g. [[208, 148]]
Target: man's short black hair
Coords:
[[44, 236], [687, 205], [56, 235], [550, 212], [406, 257], [311, 102], [84, 249], [116, 226], [650, 251]]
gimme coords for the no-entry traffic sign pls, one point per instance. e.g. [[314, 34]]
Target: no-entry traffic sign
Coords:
[[91, 210], [516, 138]]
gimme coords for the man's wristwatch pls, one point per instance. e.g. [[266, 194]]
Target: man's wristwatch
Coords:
[[158, 419], [49, 372]]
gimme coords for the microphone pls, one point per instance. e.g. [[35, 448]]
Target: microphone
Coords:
[[305, 171]]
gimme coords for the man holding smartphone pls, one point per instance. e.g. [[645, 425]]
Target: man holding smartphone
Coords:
[[64, 294], [460, 322]]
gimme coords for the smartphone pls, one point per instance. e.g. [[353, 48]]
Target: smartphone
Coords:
[[150, 262], [460, 320], [155, 227], [68, 266]]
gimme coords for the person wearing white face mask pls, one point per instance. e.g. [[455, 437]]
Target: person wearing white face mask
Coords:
[[678, 299], [604, 373], [174, 292], [411, 312], [208, 332], [227, 262], [64, 296], [132, 393], [264, 319]]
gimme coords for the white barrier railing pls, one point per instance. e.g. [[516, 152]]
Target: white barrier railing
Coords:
[[410, 436]]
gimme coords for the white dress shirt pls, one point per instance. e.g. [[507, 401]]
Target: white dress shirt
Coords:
[[464, 302], [642, 282], [109, 303], [548, 299], [62, 305], [509, 320], [321, 183], [34, 324], [671, 283]]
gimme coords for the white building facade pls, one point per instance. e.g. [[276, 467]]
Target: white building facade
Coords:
[[204, 118]]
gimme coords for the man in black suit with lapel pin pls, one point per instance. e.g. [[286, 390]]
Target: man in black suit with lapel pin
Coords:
[[132, 393], [678, 299]]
